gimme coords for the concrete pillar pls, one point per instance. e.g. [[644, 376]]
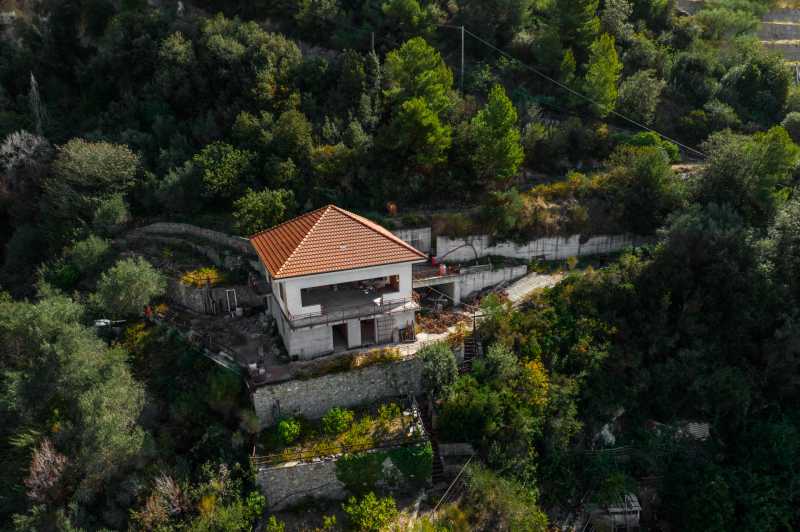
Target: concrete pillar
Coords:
[[353, 333], [456, 293]]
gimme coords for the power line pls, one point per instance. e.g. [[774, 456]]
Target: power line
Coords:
[[573, 91], [452, 484]]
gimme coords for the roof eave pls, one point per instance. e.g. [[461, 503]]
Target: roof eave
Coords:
[[283, 277]]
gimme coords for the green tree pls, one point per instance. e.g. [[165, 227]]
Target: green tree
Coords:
[[577, 22], [746, 172], [416, 70], [58, 378], [615, 19], [602, 75], [370, 514], [111, 214], [86, 255], [758, 88], [405, 19], [791, 123], [418, 134], [125, 289], [84, 174], [223, 169], [292, 137], [259, 210], [639, 95], [498, 153], [439, 369], [497, 20], [694, 77], [644, 188]]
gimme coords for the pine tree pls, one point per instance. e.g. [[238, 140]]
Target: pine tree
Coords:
[[602, 75], [498, 153], [578, 24]]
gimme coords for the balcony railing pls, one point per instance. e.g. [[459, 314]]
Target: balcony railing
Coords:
[[330, 314]]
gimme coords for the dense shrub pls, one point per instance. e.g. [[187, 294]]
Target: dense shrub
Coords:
[[288, 430], [439, 369], [791, 123], [111, 214], [337, 420], [125, 289], [370, 513], [256, 211], [87, 254]]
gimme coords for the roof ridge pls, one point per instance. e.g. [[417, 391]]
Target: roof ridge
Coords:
[[304, 215], [372, 227], [326, 209]]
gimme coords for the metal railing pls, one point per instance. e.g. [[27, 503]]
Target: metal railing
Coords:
[[338, 313]]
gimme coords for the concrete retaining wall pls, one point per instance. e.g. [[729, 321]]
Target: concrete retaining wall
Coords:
[[420, 238], [312, 398], [289, 483], [550, 248], [477, 281]]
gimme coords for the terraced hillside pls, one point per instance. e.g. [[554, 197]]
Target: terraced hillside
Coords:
[[780, 31]]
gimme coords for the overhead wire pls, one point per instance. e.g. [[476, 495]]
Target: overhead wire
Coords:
[[574, 92]]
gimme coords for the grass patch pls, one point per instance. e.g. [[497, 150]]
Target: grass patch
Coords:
[[339, 364], [201, 277], [368, 428]]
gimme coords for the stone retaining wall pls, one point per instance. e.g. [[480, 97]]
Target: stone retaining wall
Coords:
[[237, 243], [550, 248], [312, 398], [287, 484], [193, 298]]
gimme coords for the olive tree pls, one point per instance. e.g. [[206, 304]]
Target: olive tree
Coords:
[[126, 288]]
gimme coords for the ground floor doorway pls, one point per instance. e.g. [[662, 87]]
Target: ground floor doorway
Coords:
[[339, 337], [368, 332]]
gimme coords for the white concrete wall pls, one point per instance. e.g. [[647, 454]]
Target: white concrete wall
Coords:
[[353, 333], [550, 248], [420, 237], [309, 342], [293, 285], [474, 282]]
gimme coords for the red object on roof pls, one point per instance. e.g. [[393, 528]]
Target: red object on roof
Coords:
[[326, 240]]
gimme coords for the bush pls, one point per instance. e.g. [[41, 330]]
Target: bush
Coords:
[[111, 214], [337, 420], [370, 514], [260, 210], [288, 430], [273, 525], [648, 138], [126, 288], [389, 412], [87, 254], [202, 277], [439, 369], [791, 123], [639, 95], [223, 169]]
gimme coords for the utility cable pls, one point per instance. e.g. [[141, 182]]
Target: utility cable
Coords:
[[574, 92]]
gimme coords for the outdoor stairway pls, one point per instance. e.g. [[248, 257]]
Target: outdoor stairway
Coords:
[[470, 352], [426, 414]]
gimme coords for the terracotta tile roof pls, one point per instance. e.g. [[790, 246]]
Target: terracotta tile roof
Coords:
[[327, 240]]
